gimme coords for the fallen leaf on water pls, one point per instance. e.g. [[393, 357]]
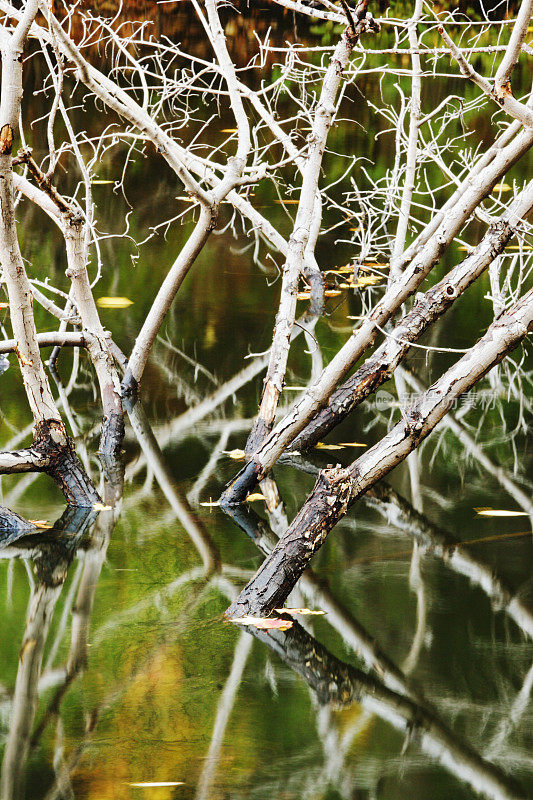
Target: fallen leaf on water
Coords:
[[297, 611], [255, 496], [186, 199], [367, 280], [101, 507], [499, 512], [100, 181], [287, 202], [324, 446], [464, 248], [332, 292], [155, 784], [210, 504], [114, 302], [352, 444], [502, 187], [236, 454], [264, 623], [229, 130], [509, 247], [303, 295], [346, 285], [40, 523]]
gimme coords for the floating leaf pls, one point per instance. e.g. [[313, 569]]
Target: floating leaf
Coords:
[[236, 454], [210, 504], [186, 199], [101, 507], [324, 446], [114, 302], [100, 182], [502, 187], [264, 623], [332, 292], [303, 296], [297, 611], [464, 248], [229, 130], [367, 280], [287, 202], [499, 512], [41, 523], [509, 247], [155, 784], [255, 496], [352, 444]]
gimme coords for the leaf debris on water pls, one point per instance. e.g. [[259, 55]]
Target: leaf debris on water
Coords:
[[236, 454], [255, 496], [499, 512], [264, 623], [114, 302], [302, 611], [155, 784]]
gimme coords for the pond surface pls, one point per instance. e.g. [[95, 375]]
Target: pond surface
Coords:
[[117, 668]]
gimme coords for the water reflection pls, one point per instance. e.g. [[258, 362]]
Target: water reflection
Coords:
[[349, 694]]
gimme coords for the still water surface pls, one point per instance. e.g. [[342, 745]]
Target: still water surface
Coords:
[[116, 666]]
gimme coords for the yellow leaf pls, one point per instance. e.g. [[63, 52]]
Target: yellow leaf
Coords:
[[499, 512], [155, 784], [236, 454], [287, 202], [303, 295], [229, 130], [100, 182], [297, 611], [352, 444], [332, 292], [502, 187], [186, 199], [464, 248], [264, 623], [211, 504], [509, 247], [255, 496], [40, 523], [367, 280], [324, 446], [114, 302]]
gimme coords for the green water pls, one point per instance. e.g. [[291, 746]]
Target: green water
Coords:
[[141, 679]]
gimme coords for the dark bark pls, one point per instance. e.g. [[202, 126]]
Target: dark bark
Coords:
[[52, 452], [12, 524], [63, 465], [380, 366], [336, 489]]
